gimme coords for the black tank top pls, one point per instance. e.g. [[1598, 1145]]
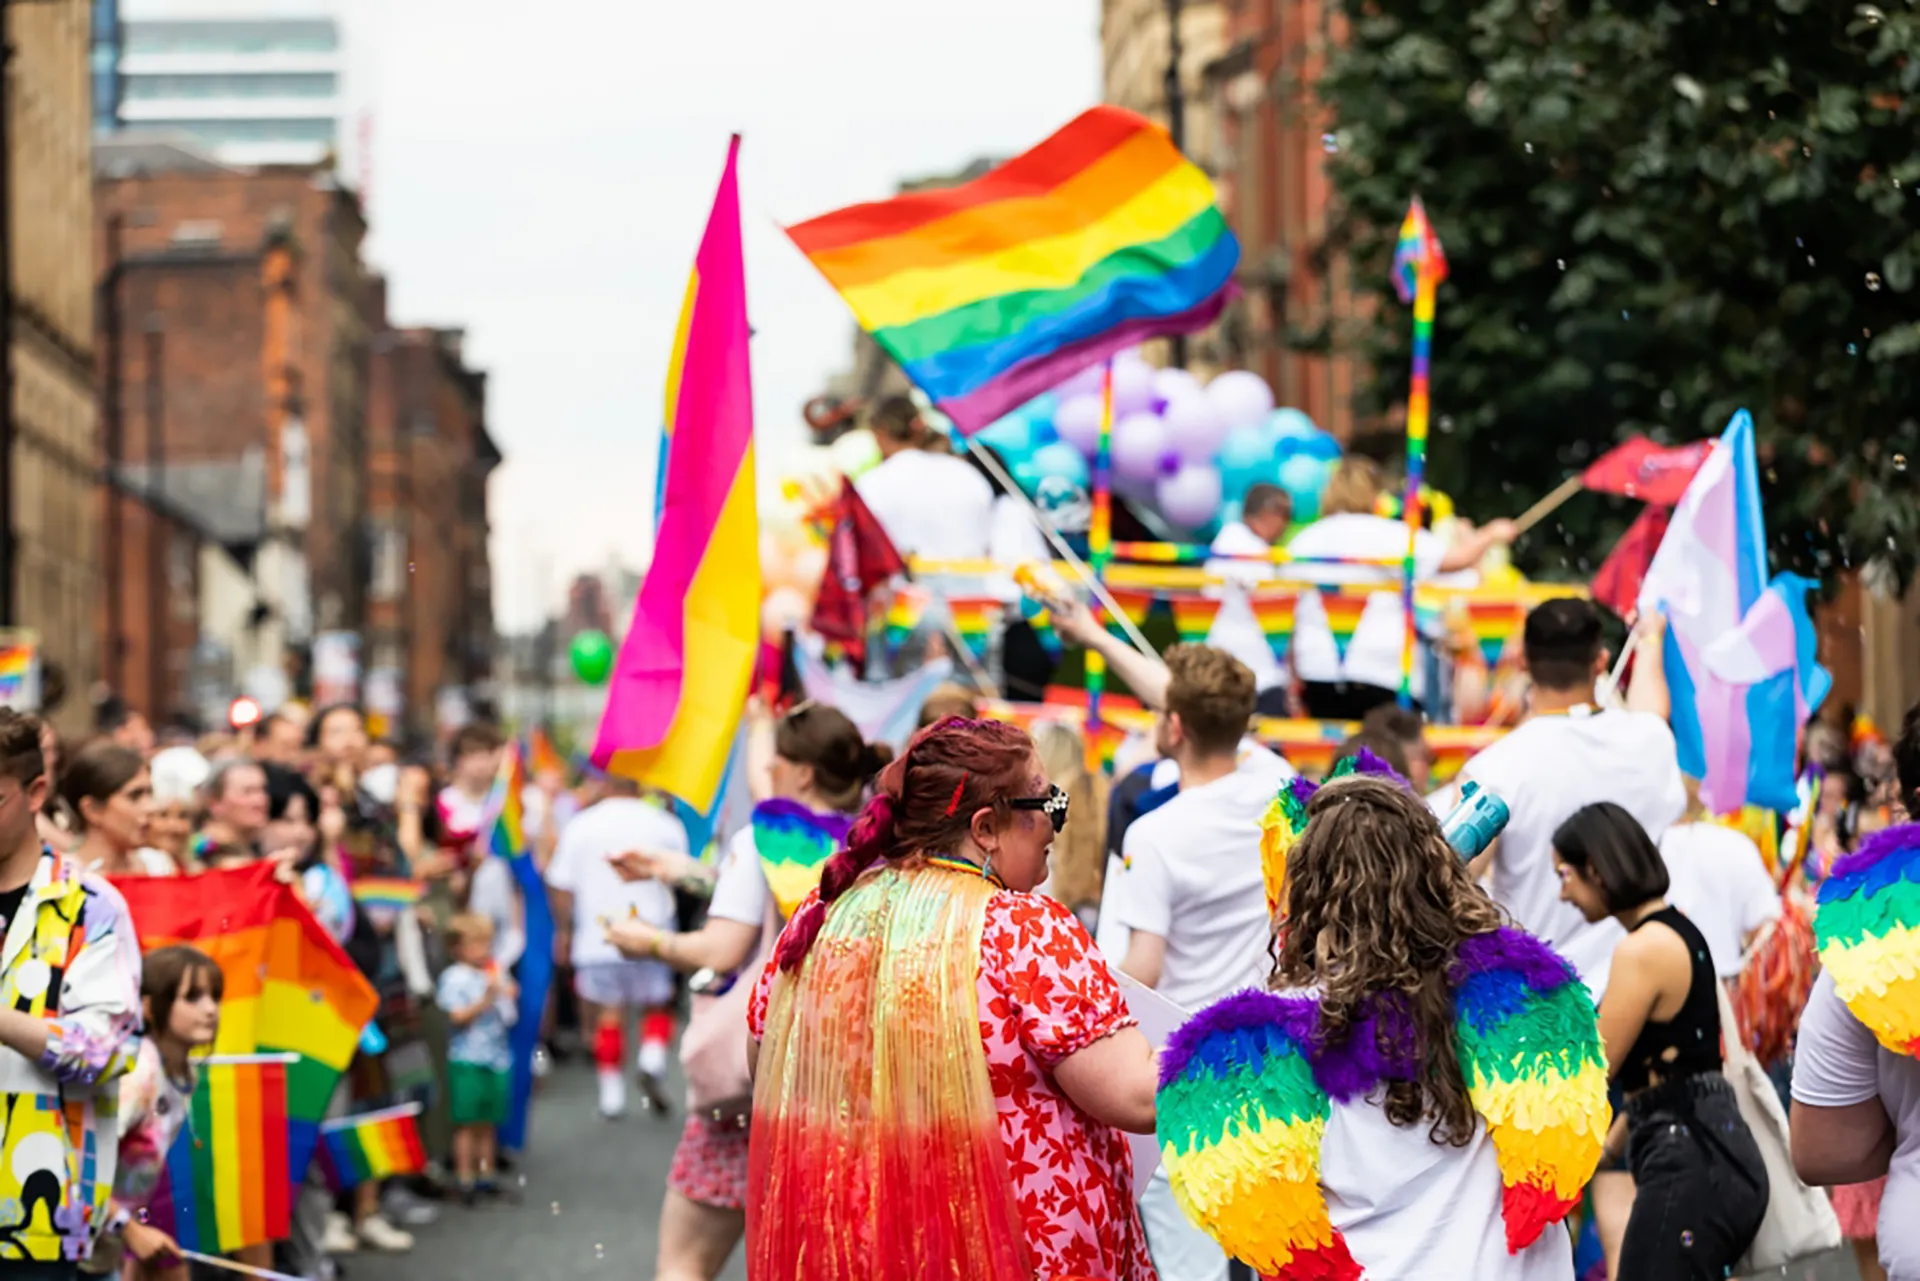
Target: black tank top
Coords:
[[1688, 1044]]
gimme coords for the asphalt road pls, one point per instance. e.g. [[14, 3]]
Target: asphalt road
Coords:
[[589, 1206], [591, 1202]]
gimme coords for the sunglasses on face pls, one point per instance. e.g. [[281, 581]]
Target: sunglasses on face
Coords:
[[1053, 805]]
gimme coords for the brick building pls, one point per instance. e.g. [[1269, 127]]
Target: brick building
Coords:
[[53, 450], [1271, 161], [235, 330], [430, 599]]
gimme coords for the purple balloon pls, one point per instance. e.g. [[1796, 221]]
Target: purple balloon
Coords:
[[1084, 383], [1240, 397], [1077, 422], [1132, 386], [1139, 442], [1171, 384], [1190, 496], [1194, 427]]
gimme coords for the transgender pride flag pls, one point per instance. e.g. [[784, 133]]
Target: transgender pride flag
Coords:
[[1740, 649]]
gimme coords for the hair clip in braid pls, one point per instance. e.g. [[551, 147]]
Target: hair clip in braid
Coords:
[[954, 805]]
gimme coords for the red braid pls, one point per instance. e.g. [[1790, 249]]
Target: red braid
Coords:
[[923, 802]]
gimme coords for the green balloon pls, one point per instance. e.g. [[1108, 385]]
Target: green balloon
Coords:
[[592, 656]]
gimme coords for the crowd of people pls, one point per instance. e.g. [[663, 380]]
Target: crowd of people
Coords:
[[912, 985]]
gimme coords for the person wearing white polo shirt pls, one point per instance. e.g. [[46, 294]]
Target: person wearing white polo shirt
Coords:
[[1265, 514]]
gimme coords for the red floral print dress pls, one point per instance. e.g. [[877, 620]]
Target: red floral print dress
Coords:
[[1045, 992]]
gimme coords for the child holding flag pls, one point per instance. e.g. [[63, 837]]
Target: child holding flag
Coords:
[[180, 991], [478, 996]]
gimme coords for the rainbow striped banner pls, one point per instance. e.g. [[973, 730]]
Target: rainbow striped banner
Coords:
[[393, 893], [227, 1183], [373, 1145]]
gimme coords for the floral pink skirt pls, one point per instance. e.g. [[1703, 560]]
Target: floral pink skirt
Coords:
[[710, 1163], [1857, 1206]]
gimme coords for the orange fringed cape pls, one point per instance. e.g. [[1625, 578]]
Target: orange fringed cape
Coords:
[[875, 1153]]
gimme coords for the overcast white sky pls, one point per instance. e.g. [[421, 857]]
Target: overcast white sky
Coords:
[[541, 175]]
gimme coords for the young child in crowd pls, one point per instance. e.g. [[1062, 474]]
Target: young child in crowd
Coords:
[[180, 991], [478, 996]]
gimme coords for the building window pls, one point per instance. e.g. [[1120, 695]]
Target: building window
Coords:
[[389, 564], [266, 36], [305, 129], [316, 84]]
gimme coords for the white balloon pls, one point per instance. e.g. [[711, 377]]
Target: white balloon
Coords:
[[1139, 443], [1077, 422], [1195, 428], [1241, 397], [1190, 496], [1170, 384]]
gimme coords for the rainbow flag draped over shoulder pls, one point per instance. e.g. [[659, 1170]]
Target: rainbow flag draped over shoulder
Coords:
[[374, 1145], [227, 1182], [681, 677], [289, 987], [991, 292]]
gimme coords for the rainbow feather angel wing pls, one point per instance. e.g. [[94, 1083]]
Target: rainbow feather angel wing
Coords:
[[794, 843], [1536, 1071], [1868, 931], [1280, 827], [1240, 1123]]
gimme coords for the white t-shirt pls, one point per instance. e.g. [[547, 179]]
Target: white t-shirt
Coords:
[[1719, 880], [1191, 874], [931, 505], [740, 892], [1838, 1063], [1410, 1207], [1373, 655], [1545, 770], [579, 866], [1236, 629]]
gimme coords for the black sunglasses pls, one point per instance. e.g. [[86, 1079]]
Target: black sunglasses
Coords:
[[1053, 805]]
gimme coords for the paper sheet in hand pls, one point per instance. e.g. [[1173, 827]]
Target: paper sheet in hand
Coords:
[[1158, 1017]]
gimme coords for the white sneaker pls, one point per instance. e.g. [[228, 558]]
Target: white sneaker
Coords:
[[613, 1093], [378, 1234], [337, 1237]]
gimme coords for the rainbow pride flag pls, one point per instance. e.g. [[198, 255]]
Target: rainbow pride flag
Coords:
[[542, 756], [289, 987], [991, 292], [374, 1145], [1343, 615], [392, 893], [228, 1182], [505, 807]]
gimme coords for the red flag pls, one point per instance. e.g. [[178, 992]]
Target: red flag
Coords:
[[1641, 469], [1617, 583], [860, 557]]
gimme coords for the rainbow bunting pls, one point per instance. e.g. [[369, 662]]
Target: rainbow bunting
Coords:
[[375, 1145], [1193, 618], [392, 893], [228, 1180], [993, 291], [1867, 928], [680, 681], [1343, 612], [794, 843], [289, 987], [1274, 612]]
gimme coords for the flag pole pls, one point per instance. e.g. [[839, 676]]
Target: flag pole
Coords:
[[1548, 505], [1418, 404], [1099, 552]]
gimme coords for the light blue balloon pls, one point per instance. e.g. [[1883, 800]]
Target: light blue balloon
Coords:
[[1245, 458], [1040, 408], [1320, 445], [1303, 477], [1026, 474], [1061, 459], [1287, 421], [1012, 436]]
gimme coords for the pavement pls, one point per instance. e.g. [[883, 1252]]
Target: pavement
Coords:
[[590, 1202], [590, 1205]]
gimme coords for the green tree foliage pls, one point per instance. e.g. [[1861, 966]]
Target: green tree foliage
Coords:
[[1655, 212]]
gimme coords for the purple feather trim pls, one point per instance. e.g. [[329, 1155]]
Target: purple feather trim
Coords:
[[1511, 949], [1892, 842], [1302, 788], [1356, 1068], [1295, 1016]]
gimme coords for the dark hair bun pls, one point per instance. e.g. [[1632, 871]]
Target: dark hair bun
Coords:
[[874, 757]]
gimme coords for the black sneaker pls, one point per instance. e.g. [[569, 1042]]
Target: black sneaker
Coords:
[[653, 1092]]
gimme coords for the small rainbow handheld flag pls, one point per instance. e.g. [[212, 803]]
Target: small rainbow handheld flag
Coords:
[[374, 1145], [505, 807], [991, 292], [394, 893], [226, 1183]]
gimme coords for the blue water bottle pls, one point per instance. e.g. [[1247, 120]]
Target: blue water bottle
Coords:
[[1476, 820]]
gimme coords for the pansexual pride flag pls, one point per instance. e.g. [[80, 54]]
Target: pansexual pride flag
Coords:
[[375, 1145], [991, 292], [227, 1182], [681, 678], [289, 986]]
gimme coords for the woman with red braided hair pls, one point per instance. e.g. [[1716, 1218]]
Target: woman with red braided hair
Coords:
[[944, 1063]]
